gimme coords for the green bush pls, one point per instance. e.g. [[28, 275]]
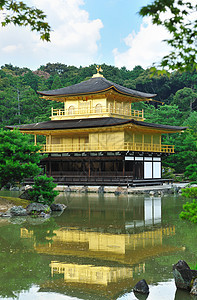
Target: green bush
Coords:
[[191, 172], [168, 173], [43, 190], [190, 212], [190, 208], [190, 192]]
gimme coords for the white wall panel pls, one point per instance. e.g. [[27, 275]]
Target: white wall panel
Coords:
[[156, 169], [147, 170]]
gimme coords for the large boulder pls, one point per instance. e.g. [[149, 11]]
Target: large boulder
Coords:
[[141, 287], [57, 207], [37, 208], [17, 211], [183, 275]]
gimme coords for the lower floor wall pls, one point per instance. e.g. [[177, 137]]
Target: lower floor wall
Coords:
[[135, 167]]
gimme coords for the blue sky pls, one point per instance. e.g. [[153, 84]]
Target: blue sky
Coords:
[[119, 18], [86, 32]]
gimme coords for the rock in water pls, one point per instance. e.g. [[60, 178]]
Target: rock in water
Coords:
[[37, 208], [141, 287], [57, 207], [183, 275], [18, 211], [194, 288]]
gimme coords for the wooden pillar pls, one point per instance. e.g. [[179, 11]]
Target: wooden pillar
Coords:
[[123, 168], [50, 167], [152, 142], [100, 162], [133, 141], [160, 142], [142, 142], [61, 166], [50, 142], [89, 168]]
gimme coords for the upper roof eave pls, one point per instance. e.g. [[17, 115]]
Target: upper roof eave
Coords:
[[94, 86]]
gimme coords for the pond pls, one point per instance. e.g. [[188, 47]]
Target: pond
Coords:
[[99, 248]]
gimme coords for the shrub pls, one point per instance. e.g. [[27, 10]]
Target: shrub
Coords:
[[190, 212], [191, 172], [168, 173], [190, 192], [43, 190], [190, 208]]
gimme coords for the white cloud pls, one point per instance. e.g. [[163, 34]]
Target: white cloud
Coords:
[[11, 48], [74, 39], [144, 47]]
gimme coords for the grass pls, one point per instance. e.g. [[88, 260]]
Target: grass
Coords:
[[13, 201]]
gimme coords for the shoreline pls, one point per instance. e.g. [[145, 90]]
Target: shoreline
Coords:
[[156, 189]]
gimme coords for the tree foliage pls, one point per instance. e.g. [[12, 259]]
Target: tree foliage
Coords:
[[20, 104], [178, 17], [43, 190], [190, 208], [19, 13], [18, 157]]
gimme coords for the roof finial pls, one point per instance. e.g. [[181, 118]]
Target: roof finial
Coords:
[[98, 68]]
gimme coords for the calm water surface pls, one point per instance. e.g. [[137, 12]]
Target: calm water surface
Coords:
[[99, 248]]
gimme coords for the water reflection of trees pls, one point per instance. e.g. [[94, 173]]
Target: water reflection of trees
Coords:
[[20, 265], [42, 233]]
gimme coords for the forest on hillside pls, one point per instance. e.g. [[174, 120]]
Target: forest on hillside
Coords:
[[176, 100]]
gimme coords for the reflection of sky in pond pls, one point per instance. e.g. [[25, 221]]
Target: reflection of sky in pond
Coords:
[[162, 291], [34, 294]]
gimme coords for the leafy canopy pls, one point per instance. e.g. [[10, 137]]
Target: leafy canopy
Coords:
[[18, 13], [19, 158], [178, 17], [190, 208], [43, 190]]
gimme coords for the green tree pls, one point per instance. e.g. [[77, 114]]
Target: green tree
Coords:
[[185, 98], [165, 114], [190, 208], [57, 84], [191, 121], [182, 26], [43, 190], [191, 172], [18, 13], [185, 150], [19, 157]]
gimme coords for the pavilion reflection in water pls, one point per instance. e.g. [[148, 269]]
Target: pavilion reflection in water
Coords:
[[89, 258], [91, 274]]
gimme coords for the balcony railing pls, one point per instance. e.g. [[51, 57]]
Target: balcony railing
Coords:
[[95, 147], [100, 111]]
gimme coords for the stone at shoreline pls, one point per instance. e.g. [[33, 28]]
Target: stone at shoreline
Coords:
[[57, 207], [18, 211], [37, 208], [6, 214], [183, 275], [194, 288], [15, 189], [25, 195], [141, 287]]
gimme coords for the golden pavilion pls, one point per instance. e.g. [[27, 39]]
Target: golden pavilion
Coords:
[[98, 139]]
